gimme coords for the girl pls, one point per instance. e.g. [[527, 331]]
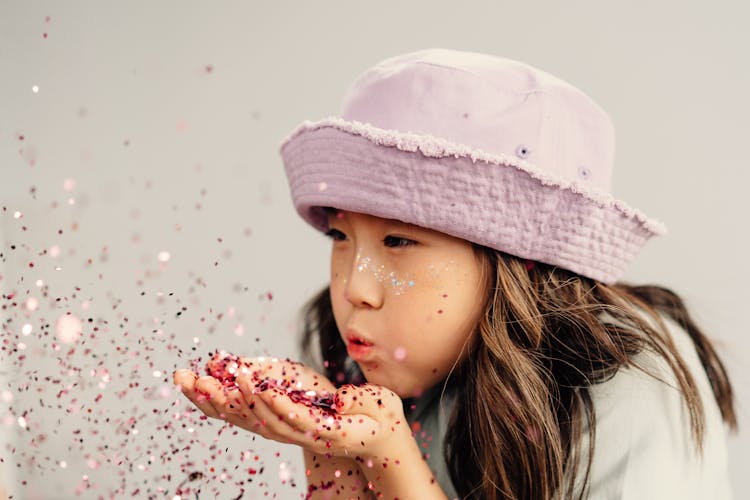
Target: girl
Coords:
[[474, 340]]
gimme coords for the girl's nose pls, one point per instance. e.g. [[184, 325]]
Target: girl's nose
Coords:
[[363, 288]]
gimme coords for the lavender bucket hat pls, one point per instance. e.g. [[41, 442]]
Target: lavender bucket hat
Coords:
[[480, 147]]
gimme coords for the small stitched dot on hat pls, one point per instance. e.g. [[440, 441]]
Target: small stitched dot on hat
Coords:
[[584, 172], [522, 151]]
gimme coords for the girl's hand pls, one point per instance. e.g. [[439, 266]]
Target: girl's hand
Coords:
[[213, 393], [367, 421], [270, 399]]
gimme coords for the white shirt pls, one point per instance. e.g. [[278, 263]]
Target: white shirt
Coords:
[[644, 446]]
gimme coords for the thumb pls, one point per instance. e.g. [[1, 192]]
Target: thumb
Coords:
[[368, 399]]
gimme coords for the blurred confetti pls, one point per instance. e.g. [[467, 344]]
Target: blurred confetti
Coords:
[[84, 371]]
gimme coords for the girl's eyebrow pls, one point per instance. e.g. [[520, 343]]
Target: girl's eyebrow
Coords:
[[389, 222]]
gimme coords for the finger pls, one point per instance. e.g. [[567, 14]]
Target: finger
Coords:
[[279, 419], [315, 429], [184, 378], [199, 399], [214, 395], [235, 402], [372, 400]]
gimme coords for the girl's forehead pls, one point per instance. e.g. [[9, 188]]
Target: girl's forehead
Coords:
[[355, 217]]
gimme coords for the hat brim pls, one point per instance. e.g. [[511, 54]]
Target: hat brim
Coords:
[[502, 203]]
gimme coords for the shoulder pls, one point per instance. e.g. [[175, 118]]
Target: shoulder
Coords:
[[644, 446]]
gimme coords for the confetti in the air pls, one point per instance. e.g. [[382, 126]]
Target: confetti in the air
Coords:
[[87, 394], [68, 328]]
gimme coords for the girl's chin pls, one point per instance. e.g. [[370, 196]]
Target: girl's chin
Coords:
[[378, 376]]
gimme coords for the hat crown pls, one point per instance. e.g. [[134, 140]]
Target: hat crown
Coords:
[[497, 105]]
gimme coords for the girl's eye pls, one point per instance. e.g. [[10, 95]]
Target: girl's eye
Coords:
[[336, 235], [389, 241], [397, 241]]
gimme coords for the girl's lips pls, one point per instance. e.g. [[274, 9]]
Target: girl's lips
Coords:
[[357, 346], [358, 351]]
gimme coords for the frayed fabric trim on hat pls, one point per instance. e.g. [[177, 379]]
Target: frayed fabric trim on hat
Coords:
[[436, 147]]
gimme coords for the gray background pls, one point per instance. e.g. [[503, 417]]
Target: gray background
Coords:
[[168, 117]]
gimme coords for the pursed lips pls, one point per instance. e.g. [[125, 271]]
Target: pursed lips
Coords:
[[357, 346]]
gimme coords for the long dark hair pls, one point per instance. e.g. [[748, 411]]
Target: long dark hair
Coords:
[[516, 428]]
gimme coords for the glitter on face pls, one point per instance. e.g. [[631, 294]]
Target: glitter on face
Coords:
[[164, 256], [363, 262], [399, 354], [54, 251], [69, 185], [398, 285], [35, 89]]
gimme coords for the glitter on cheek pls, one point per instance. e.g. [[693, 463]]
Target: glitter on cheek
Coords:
[[400, 285], [164, 256], [399, 354], [54, 251]]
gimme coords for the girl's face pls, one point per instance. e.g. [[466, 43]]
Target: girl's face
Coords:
[[406, 300]]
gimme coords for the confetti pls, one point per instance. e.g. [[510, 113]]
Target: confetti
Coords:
[[399, 354], [68, 328], [89, 357]]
